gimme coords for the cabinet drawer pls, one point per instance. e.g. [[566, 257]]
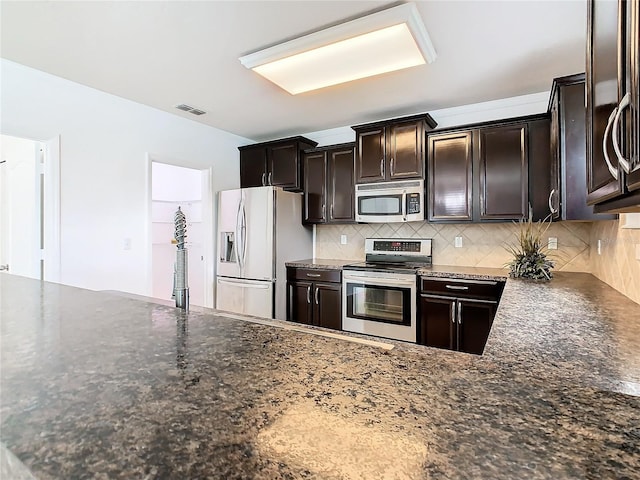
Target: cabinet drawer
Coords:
[[314, 274], [486, 289]]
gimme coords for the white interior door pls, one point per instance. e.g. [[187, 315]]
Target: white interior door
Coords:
[[21, 186]]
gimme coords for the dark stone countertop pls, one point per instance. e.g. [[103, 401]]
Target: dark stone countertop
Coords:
[[320, 263], [96, 385]]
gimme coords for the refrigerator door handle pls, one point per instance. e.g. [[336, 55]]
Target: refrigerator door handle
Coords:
[[244, 234], [238, 239], [242, 284]]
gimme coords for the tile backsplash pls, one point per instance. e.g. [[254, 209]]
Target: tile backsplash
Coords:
[[617, 264], [483, 245]]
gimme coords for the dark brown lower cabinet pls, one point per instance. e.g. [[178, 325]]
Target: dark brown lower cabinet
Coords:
[[314, 302], [452, 321]]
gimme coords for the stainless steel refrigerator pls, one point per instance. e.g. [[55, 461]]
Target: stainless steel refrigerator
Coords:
[[259, 229]]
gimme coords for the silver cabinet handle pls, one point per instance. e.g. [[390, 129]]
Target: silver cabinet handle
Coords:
[[309, 294], [453, 312], [392, 166], [269, 180], [315, 275], [459, 313], [623, 162], [317, 290], [332, 211], [382, 167], [551, 209], [613, 171], [264, 175], [324, 211], [456, 287]]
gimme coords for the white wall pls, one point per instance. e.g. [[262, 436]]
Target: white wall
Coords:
[[451, 117], [104, 172]]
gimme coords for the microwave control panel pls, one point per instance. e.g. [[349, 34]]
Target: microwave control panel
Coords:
[[413, 203]]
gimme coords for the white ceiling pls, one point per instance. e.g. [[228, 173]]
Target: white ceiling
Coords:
[[166, 53]]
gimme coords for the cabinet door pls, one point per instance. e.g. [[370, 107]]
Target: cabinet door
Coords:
[[405, 155], [632, 85], [299, 307], [370, 155], [503, 173], [554, 160], [474, 318], [315, 195], [544, 195], [602, 98], [437, 322], [283, 169], [327, 305], [341, 189], [253, 165], [450, 161]]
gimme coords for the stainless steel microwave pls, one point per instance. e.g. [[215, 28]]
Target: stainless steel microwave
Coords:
[[390, 202]]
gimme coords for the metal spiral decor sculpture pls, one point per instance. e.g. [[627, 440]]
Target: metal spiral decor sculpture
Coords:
[[180, 273]]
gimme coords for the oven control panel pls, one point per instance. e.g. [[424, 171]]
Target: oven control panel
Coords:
[[396, 246], [413, 247]]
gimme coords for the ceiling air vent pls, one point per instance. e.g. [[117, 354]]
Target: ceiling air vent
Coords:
[[188, 108]]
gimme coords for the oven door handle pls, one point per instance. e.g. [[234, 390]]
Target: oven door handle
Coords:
[[384, 282]]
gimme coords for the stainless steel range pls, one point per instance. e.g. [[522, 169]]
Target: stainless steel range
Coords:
[[379, 295]]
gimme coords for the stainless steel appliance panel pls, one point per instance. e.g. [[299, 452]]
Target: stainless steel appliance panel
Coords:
[[380, 304], [248, 297], [390, 202]]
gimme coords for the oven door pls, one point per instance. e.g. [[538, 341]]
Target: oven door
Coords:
[[380, 304]]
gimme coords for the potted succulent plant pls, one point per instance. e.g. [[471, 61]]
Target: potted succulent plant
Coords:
[[529, 253]]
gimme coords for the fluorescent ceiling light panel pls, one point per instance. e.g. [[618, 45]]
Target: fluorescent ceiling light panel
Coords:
[[383, 42]]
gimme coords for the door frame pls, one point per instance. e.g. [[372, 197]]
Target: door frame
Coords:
[[207, 222]]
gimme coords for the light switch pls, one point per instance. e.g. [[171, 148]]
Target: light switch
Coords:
[[343, 239], [458, 242], [553, 243]]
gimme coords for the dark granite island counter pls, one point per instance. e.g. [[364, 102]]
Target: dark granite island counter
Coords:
[[95, 385]]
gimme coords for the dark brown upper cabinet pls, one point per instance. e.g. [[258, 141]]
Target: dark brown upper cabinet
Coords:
[[481, 172], [450, 176], [612, 96], [276, 163], [391, 150], [328, 184], [503, 164], [565, 198]]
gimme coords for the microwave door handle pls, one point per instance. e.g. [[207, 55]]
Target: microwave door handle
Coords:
[[404, 205]]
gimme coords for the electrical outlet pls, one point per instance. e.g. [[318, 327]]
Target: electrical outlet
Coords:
[[599, 247], [458, 242], [126, 244], [553, 243], [343, 239]]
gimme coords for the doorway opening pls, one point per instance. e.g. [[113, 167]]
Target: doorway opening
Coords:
[[30, 207], [174, 186]]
